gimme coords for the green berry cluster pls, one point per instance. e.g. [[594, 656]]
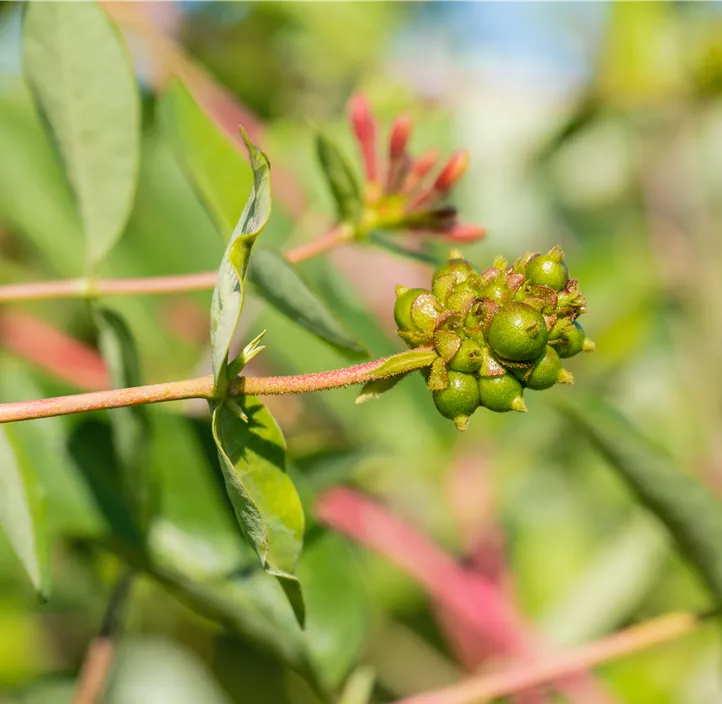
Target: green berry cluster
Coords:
[[497, 332]]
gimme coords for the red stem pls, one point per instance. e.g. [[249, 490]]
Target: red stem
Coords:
[[526, 676], [201, 387], [151, 285], [473, 598]]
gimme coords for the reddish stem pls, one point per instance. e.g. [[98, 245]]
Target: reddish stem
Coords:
[[152, 285], [524, 677], [473, 598], [201, 387]]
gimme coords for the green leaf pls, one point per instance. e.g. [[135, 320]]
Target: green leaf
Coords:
[[252, 454], [341, 179], [21, 509], [228, 294], [360, 686], [373, 389], [130, 425], [692, 514], [83, 80], [218, 169], [280, 283], [193, 531], [337, 608], [405, 362], [69, 505]]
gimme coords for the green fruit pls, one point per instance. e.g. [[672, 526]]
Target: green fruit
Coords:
[[572, 341], [468, 358], [496, 289], [501, 393], [425, 311], [546, 372], [402, 308], [459, 399], [548, 270], [459, 268], [517, 332]]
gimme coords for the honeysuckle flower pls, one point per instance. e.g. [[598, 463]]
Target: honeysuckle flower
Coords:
[[399, 191]]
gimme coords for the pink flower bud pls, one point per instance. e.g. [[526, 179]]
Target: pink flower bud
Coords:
[[364, 128], [451, 173], [400, 133], [423, 165], [465, 233]]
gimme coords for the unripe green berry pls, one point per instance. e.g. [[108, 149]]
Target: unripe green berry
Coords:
[[402, 308], [468, 358], [496, 289], [548, 270], [459, 268], [459, 399], [517, 332], [425, 311], [546, 372], [501, 393], [571, 341]]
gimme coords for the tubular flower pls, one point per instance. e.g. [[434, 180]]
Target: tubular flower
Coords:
[[402, 192]]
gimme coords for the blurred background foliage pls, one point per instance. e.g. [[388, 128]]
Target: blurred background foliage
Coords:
[[596, 126]]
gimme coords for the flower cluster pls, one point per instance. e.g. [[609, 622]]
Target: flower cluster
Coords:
[[401, 194], [496, 332]]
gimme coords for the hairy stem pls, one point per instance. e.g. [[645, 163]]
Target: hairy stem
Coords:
[[523, 677], [152, 285], [201, 387]]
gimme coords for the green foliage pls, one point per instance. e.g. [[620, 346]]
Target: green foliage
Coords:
[[83, 81], [215, 164], [21, 509], [130, 426], [220, 174], [688, 509], [280, 283], [252, 454], [616, 175], [228, 295], [342, 181]]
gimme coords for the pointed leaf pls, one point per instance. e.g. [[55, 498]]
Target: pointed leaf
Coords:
[[21, 509], [252, 454], [691, 513], [280, 283], [218, 169], [371, 390], [228, 294], [83, 80], [130, 426], [406, 362], [341, 179]]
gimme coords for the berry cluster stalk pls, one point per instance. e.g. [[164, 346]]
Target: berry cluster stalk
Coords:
[[201, 387]]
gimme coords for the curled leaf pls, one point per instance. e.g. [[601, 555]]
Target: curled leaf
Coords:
[[228, 294], [252, 455]]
